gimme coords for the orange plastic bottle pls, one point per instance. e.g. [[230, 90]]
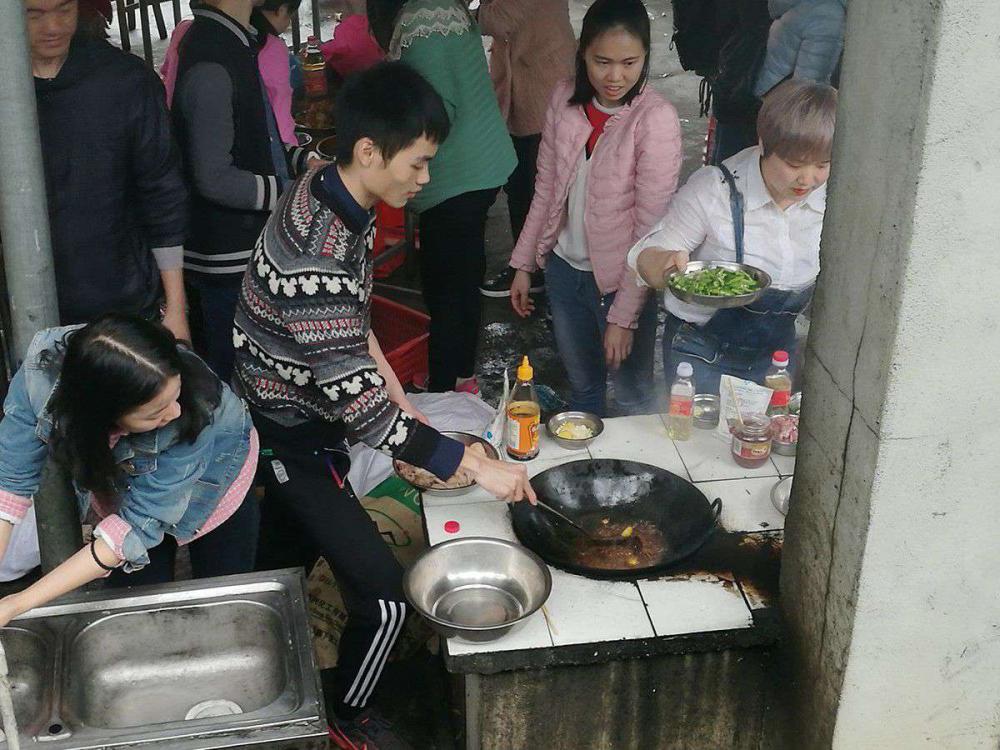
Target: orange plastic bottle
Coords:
[[524, 414]]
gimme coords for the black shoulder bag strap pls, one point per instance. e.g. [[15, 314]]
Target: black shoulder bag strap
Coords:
[[736, 208]]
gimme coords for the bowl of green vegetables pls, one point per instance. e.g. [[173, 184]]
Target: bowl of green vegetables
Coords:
[[718, 284]]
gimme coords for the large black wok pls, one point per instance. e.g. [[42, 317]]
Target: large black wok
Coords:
[[608, 490]]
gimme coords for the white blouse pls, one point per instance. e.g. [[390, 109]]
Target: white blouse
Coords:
[[785, 244]]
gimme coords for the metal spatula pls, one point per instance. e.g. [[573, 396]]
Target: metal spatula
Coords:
[[595, 539]]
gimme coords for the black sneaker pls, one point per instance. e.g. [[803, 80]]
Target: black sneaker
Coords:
[[499, 285], [368, 730]]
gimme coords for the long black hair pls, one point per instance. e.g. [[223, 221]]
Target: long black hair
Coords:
[[602, 16], [382, 15], [108, 368]]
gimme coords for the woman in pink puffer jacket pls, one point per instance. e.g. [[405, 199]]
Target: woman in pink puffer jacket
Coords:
[[608, 164]]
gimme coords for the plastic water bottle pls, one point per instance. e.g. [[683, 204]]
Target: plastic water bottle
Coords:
[[681, 403], [779, 380]]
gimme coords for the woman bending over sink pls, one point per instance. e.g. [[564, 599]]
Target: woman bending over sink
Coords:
[[157, 447]]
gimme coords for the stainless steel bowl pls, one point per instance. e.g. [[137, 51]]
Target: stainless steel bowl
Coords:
[[705, 411], [783, 449], [739, 300], [477, 588], [780, 493], [594, 422], [466, 439]]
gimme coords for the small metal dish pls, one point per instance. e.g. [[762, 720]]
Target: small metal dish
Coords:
[[705, 411], [783, 449], [303, 138], [718, 303], [477, 588], [466, 439], [780, 493], [594, 422]]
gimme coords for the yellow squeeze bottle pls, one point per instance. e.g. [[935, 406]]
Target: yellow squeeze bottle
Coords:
[[523, 416]]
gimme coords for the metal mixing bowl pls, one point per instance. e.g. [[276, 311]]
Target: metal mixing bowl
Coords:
[[466, 439], [705, 411], [594, 422], [738, 300], [780, 493], [477, 588]]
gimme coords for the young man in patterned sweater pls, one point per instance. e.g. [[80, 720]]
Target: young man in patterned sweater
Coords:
[[315, 377]]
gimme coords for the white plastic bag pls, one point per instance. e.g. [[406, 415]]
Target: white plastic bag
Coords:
[[753, 399], [494, 434]]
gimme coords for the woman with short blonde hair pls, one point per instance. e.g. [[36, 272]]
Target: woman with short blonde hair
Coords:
[[764, 207], [796, 121]]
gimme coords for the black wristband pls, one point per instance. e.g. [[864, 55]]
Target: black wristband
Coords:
[[93, 553]]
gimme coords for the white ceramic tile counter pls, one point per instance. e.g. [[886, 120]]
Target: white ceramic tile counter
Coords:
[[585, 611]]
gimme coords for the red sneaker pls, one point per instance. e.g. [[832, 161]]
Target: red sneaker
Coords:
[[468, 386], [367, 731]]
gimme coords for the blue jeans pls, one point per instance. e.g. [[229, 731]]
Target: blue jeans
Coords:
[[579, 317], [736, 341]]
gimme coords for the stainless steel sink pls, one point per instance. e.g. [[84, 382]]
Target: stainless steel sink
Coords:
[[216, 663], [28, 660]]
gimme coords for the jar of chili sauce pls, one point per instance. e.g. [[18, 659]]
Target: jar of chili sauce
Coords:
[[751, 443]]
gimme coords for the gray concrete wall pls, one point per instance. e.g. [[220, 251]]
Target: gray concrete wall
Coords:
[[725, 700], [891, 555]]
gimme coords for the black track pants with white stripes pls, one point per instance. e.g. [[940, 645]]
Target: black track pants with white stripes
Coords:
[[309, 509]]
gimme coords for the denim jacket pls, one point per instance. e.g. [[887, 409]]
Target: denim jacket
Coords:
[[172, 486]]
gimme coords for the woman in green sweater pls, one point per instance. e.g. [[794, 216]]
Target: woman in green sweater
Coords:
[[440, 39]]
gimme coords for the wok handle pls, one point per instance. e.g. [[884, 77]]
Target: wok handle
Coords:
[[716, 510]]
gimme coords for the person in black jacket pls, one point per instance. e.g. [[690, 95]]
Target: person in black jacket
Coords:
[[116, 195], [234, 160]]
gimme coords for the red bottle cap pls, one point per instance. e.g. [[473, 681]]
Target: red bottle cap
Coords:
[[780, 358], [452, 527]]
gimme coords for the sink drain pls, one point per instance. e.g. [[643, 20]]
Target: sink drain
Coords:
[[211, 708]]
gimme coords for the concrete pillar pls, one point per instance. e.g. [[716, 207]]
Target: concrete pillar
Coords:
[[892, 553]]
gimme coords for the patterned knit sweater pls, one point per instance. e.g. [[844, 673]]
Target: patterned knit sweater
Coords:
[[302, 325]]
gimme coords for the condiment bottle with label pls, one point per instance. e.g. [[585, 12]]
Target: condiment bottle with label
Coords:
[[681, 403], [779, 380], [524, 414], [751, 443], [314, 70]]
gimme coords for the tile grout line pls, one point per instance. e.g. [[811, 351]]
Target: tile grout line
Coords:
[[645, 606]]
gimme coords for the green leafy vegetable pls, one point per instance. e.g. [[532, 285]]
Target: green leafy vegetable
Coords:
[[716, 282]]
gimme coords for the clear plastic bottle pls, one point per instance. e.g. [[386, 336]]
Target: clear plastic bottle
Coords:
[[314, 70], [524, 414], [779, 380], [681, 403]]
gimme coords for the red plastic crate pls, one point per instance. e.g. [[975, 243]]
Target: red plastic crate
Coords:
[[390, 229], [402, 332]]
